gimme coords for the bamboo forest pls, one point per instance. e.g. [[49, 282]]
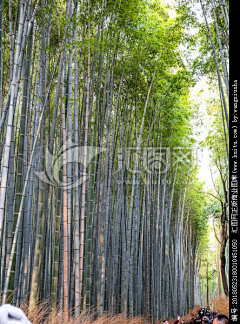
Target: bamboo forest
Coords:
[[114, 157]]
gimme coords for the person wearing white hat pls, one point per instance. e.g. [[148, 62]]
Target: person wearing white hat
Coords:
[[12, 315]]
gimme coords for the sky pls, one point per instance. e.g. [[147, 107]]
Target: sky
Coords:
[[200, 99], [201, 129]]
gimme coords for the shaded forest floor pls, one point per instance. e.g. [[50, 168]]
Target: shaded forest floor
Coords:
[[221, 305]]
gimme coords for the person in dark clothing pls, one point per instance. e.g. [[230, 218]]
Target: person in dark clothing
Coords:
[[178, 320], [197, 320], [205, 320], [209, 313], [201, 313]]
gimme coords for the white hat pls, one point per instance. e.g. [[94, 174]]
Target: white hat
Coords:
[[12, 315]]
